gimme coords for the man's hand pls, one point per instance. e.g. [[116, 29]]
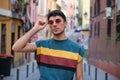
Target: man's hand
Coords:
[[39, 25]]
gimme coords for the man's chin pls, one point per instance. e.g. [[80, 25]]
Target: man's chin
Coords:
[[58, 33]]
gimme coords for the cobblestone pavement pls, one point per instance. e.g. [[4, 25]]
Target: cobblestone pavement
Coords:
[[29, 72]]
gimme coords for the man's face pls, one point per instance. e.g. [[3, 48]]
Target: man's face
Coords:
[[57, 25]]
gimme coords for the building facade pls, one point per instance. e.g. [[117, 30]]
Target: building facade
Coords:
[[8, 27], [104, 41], [12, 26]]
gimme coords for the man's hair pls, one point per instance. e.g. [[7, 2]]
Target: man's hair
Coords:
[[56, 13]]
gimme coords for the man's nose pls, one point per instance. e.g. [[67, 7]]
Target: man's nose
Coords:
[[54, 23]]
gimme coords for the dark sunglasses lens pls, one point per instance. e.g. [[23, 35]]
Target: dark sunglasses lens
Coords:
[[50, 22], [58, 21]]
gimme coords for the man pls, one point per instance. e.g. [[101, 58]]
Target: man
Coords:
[[58, 58]]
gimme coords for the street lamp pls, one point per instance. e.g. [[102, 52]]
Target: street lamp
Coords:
[[85, 14]]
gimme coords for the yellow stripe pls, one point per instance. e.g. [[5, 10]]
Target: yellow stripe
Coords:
[[59, 53]]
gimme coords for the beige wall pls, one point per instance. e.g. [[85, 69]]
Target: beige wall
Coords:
[[3, 4], [8, 36], [51, 4], [86, 8], [71, 8]]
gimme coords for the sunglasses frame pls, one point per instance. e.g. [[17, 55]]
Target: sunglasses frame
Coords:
[[51, 22]]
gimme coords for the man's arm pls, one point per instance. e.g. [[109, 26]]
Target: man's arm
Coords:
[[22, 43], [79, 72]]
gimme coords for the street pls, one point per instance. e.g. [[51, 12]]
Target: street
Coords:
[[33, 74]]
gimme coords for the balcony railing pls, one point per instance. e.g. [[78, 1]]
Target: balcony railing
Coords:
[[5, 12], [19, 9]]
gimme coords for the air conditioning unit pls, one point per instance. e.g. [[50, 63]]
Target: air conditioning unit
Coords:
[[118, 5], [108, 12]]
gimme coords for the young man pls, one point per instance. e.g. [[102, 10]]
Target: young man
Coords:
[[58, 58]]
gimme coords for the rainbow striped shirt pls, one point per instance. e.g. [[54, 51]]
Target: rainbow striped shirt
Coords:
[[57, 59]]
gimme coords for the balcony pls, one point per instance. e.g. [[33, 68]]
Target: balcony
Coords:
[[19, 9], [5, 12]]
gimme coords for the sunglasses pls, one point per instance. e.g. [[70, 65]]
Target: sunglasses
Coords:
[[50, 22]]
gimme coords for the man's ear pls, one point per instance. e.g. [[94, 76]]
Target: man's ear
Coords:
[[66, 23]]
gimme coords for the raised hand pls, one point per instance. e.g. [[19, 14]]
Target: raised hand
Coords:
[[39, 25]]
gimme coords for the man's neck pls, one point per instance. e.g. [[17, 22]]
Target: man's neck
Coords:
[[62, 37]]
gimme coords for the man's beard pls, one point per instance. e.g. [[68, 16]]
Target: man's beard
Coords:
[[58, 34]]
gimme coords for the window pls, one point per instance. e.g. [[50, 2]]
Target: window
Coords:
[[13, 39], [95, 9], [118, 27], [90, 12], [108, 28], [91, 30], [3, 38], [95, 29], [108, 3], [19, 32], [98, 29], [98, 6]]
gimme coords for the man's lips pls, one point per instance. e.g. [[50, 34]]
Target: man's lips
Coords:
[[56, 29]]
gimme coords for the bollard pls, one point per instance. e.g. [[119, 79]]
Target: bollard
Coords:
[[1, 77], [84, 67], [96, 73], [27, 70], [89, 70], [106, 76], [17, 77], [33, 67]]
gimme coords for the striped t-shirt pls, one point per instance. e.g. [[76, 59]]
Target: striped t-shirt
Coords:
[[57, 59]]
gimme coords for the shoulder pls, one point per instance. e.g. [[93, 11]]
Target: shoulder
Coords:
[[77, 47], [42, 42], [72, 43]]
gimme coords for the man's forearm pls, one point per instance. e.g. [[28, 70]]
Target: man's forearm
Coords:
[[21, 43], [79, 72], [79, 77]]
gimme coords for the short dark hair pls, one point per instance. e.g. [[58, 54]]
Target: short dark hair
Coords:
[[56, 13]]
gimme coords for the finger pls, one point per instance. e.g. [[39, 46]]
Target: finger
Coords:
[[41, 23]]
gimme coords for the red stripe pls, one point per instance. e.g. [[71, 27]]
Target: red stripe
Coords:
[[57, 61]]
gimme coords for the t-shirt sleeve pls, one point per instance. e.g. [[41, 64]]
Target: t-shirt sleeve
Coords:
[[81, 51], [38, 43]]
